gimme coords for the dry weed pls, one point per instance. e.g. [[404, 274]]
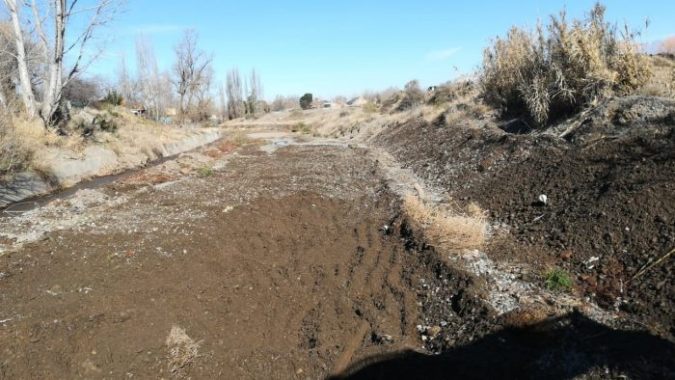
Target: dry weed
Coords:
[[182, 351], [14, 152], [562, 68], [447, 227]]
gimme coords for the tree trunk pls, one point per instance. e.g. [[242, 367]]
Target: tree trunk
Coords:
[[3, 101], [27, 95], [52, 96]]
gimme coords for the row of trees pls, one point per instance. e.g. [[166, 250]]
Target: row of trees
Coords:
[[189, 86], [244, 97], [41, 62], [186, 88]]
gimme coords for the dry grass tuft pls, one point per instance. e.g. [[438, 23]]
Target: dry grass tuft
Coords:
[[563, 68], [526, 317], [182, 351], [15, 155], [447, 227]]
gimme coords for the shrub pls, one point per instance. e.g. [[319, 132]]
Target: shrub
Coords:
[[306, 101], [205, 171], [14, 155], [412, 96], [104, 121], [561, 69], [449, 92], [558, 280], [301, 128], [82, 92], [114, 98], [370, 107]]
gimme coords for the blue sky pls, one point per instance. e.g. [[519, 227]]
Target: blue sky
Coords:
[[345, 47]]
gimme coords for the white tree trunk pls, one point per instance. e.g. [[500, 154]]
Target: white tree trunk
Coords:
[[24, 78], [52, 96], [3, 101]]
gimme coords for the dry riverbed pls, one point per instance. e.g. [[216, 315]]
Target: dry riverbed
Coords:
[[276, 257]]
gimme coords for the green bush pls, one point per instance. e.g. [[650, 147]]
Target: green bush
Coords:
[[306, 101], [558, 280], [205, 171], [561, 68]]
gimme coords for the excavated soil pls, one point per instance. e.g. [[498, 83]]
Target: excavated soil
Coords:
[[282, 265], [610, 190], [284, 260]]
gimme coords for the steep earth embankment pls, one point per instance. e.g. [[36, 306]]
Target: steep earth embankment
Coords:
[[609, 215]]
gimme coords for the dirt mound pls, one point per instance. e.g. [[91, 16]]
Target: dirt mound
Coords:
[[610, 191]]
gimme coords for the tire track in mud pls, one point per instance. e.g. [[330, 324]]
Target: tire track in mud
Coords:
[[282, 269]]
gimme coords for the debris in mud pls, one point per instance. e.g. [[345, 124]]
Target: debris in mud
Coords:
[[182, 351]]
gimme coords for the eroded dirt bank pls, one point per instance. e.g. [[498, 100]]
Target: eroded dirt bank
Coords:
[[267, 260], [609, 219]]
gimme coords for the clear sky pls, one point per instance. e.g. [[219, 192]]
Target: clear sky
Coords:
[[344, 47]]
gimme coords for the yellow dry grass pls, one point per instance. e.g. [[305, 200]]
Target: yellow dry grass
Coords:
[[447, 227], [134, 138], [561, 68]]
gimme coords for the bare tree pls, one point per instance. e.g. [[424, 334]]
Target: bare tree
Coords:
[[7, 62], [83, 91], [154, 86], [22, 61], [192, 71], [281, 103], [125, 84], [254, 92], [222, 98], [56, 14], [235, 94]]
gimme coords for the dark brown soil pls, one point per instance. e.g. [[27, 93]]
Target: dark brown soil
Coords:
[[294, 264], [297, 281], [610, 190]]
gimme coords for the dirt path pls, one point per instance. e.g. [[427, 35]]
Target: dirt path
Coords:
[[273, 265]]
